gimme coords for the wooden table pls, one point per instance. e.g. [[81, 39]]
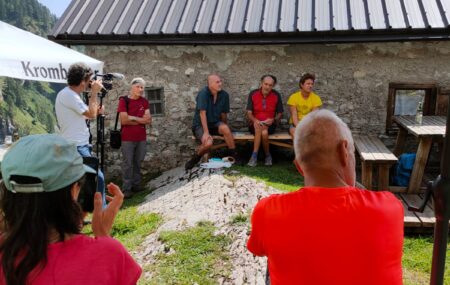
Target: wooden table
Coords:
[[432, 127]]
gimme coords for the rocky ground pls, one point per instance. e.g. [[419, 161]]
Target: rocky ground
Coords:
[[185, 198]]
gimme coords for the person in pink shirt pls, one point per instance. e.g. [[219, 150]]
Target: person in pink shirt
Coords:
[[41, 241]]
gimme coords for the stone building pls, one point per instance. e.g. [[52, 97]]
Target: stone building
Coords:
[[357, 52]]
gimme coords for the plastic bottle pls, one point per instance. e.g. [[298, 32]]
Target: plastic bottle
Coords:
[[419, 114]]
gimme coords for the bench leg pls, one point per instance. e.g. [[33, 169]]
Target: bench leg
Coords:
[[383, 177], [366, 174]]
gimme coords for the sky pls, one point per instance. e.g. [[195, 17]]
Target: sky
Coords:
[[57, 7]]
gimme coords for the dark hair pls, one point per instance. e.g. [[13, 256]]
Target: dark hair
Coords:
[[28, 219], [78, 72], [305, 77], [271, 76]]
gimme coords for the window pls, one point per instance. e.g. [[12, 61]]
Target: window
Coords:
[[403, 99], [155, 97]]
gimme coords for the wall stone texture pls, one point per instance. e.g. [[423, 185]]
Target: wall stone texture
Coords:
[[351, 79]]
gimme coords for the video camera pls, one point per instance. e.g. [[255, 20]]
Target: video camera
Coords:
[[107, 80]]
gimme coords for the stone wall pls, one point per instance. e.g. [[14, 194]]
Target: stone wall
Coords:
[[352, 80]]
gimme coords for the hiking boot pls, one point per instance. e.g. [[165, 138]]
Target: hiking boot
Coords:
[[127, 194], [268, 161], [253, 161], [192, 162]]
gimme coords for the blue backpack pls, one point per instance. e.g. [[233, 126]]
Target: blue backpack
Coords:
[[403, 169]]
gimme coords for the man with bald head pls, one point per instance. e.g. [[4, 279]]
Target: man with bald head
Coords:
[[210, 118], [328, 232]]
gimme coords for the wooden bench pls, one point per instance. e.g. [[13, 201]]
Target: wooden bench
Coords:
[[278, 138], [374, 153], [282, 139]]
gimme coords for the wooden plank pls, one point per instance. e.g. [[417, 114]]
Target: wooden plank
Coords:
[[371, 148], [282, 144], [427, 217], [280, 136], [419, 165], [410, 219], [366, 174], [362, 149], [388, 155], [383, 177], [398, 189]]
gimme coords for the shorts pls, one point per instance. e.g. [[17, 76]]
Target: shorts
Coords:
[[271, 129], [213, 130]]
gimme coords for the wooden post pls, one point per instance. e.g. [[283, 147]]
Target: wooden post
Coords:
[[383, 177], [366, 174], [419, 164], [400, 142]]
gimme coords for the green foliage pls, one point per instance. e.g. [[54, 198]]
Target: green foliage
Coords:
[[281, 175], [239, 219], [29, 15], [417, 255], [130, 226], [28, 110], [193, 256]]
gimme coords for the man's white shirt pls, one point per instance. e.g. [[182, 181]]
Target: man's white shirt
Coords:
[[69, 109]]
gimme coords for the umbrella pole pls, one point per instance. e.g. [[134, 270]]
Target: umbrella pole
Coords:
[[441, 196]]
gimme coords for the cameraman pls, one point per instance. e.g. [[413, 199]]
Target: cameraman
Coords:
[[41, 241], [72, 112]]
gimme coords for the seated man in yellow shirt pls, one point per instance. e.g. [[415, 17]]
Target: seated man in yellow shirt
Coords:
[[303, 102]]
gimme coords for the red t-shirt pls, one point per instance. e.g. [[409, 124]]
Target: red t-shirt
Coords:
[[136, 107], [264, 108], [87, 261], [339, 236]]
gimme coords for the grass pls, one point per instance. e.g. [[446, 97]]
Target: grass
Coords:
[[282, 175], [130, 226], [417, 255], [193, 256], [240, 219]]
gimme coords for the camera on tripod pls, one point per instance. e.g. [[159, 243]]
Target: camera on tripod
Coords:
[[107, 80]]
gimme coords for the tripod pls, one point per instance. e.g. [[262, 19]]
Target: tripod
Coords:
[[100, 144], [101, 136]]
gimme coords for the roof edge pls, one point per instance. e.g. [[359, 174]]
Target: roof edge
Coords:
[[315, 37]]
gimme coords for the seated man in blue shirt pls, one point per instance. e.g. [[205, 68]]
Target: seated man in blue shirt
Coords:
[[210, 118]]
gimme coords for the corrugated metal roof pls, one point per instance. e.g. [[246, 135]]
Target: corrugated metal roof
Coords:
[[251, 21]]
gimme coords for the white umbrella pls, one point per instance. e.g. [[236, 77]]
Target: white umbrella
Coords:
[[27, 56]]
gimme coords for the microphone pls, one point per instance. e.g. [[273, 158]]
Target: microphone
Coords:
[[118, 76], [110, 76]]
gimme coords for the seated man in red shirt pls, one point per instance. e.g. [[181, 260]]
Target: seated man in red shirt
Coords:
[[328, 232], [264, 110]]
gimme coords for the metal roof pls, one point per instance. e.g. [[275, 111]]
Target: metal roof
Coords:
[[250, 21]]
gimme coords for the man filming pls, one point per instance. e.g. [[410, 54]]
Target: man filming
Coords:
[[72, 112]]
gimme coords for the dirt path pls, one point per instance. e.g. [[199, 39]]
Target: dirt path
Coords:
[[184, 199]]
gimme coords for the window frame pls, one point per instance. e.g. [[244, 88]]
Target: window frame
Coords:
[[161, 101], [429, 102]]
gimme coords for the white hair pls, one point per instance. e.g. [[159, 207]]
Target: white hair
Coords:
[[317, 129], [138, 80]]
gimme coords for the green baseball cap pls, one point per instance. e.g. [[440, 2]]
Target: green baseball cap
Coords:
[[51, 158]]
